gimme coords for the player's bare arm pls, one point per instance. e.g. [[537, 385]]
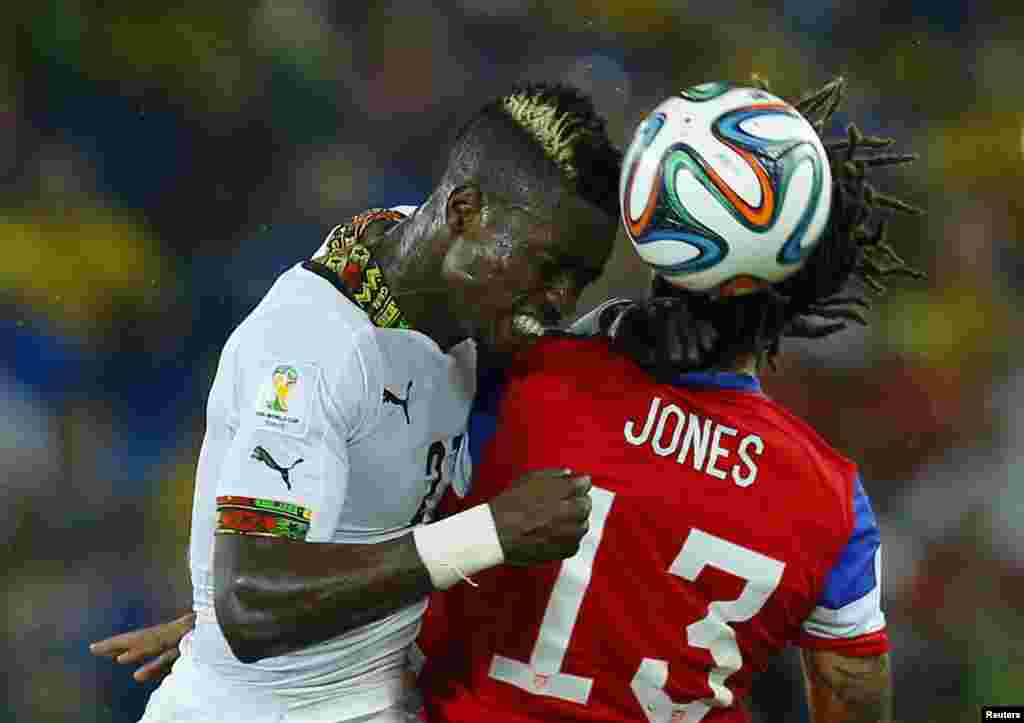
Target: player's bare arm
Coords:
[[843, 689], [160, 642], [275, 595]]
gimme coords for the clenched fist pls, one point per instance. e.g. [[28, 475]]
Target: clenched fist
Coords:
[[542, 516]]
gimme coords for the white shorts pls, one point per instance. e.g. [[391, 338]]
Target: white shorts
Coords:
[[188, 696]]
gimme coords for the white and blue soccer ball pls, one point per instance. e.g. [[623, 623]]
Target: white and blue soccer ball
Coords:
[[725, 189]]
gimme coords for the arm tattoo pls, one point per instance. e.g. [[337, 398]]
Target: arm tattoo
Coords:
[[860, 686]]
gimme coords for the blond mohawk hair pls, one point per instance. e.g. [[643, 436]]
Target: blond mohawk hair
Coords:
[[556, 132], [533, 130]]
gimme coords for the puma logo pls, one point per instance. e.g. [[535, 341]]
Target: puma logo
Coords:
[[392, 398], [262, 455]]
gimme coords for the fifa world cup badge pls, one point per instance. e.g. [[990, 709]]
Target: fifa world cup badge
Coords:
[[282, 403], [285, 377]]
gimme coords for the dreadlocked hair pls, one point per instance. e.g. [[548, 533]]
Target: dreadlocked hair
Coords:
[[811, 303], [560, 122]]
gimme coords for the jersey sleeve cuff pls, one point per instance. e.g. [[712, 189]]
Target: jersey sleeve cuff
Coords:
[[862, 646]]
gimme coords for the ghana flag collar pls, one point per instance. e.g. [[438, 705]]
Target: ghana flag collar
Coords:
[[347, 264]]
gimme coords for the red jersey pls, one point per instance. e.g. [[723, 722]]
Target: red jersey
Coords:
[[723, 529]]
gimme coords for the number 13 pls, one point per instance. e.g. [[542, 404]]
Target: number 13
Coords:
[[543, 676]]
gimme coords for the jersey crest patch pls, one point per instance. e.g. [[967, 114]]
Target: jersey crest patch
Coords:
[[283, 400]]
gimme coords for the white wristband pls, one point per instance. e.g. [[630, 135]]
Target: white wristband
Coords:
[[459, 546]]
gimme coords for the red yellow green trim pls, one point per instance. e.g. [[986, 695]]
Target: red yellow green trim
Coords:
[[349, 259], [263, 518]]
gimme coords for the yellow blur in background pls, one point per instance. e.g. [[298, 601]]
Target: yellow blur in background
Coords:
[[161, 168]]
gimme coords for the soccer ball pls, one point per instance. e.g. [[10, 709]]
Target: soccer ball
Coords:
[[725, 189]]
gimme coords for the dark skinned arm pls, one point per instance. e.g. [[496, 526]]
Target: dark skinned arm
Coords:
[[275, 596], [843, 689]]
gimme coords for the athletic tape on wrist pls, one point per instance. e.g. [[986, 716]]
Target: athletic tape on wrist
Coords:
[[459, 546]]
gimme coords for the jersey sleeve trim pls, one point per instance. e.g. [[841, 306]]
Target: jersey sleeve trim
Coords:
[[860, 617], [849, 606], [862, 646], [237, 515]]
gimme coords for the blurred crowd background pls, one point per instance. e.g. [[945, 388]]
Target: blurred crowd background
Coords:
[[161, 167]]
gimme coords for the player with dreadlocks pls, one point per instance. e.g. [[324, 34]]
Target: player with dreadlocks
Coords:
[[723, 527], [812, 303], [855, 247]]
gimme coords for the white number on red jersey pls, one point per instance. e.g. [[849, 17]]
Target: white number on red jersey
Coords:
[[712, 632], [543, 676]]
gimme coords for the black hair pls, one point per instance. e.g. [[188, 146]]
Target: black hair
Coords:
[[537, 132], [811, 303]]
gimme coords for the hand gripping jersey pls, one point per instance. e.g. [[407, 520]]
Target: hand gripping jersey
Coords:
[[723, 529], [321, 428]]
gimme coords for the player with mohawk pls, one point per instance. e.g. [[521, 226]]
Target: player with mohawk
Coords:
[[337, 419]]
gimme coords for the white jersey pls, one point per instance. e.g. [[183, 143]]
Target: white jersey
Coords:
[[348, 433]]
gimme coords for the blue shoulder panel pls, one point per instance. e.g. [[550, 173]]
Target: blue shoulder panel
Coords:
[[853, 576]]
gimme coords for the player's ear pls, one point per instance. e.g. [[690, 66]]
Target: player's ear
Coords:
[[463, 208]]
